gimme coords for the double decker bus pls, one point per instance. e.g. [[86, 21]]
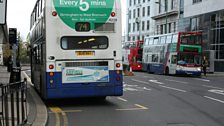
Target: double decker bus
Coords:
[[175, 53], [76, 48], [132, 54]]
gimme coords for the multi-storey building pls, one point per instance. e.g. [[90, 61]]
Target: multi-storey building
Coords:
[[150, 17], [206, 16], [166, 16], [139, 23]]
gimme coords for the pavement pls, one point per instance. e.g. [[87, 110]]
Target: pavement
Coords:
[[37, 111]]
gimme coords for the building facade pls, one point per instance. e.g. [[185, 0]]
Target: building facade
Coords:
[[138, 19], [166, 16], [3, 40], [206, 16], [151, 17]]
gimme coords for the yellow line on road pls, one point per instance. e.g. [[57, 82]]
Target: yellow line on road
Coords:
[[57, 112]]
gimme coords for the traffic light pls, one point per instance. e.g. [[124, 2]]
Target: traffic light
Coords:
[[12, 35]]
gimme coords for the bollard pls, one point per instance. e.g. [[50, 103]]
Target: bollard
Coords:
[[130, 72]]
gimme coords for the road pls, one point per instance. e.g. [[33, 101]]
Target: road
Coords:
[[148, 100]]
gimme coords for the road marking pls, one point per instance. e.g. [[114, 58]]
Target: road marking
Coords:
[[140, 81], [156, 81], [214, 99], [221, 92], [119, 98], [213, 87], [182, 82], [57, 111], [145, 88], [172, 88], [202, 79], [138, 107]]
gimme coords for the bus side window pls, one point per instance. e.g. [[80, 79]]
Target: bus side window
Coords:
[[169, 39], [175, 38], [156, 41], [163, 40]]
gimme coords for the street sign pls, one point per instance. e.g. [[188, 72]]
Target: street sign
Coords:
[[2, 11]]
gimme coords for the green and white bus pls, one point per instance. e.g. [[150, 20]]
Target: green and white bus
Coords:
[[174, 53], [76, 48]]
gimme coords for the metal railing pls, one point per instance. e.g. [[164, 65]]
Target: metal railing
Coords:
[[13, 111]]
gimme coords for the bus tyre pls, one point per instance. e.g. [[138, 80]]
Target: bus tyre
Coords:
[[167, 71]]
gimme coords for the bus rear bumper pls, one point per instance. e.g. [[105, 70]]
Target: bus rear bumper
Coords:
[[85, 92], [191, 73]]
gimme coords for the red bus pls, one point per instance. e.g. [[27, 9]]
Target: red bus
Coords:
[[132, 54]]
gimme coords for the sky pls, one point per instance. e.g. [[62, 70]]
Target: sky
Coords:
[[18, 15]]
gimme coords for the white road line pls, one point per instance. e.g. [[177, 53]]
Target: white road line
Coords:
[[147, 89], [182, 82], [214, 99], [119, 98], [156, 81], [213, 87], [220, 92], [172, 88], [202, 79], [140, 81]]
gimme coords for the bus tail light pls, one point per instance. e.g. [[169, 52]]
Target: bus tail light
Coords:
[[51, 66], [113, 14], [118, 65], [118, 71], [54, 13]]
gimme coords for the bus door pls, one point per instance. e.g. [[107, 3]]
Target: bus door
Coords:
[[172, 63]]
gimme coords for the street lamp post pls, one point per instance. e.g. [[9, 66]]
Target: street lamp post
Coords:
[[165, 7]]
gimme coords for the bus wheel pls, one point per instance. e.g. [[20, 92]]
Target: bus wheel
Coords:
[[167, 71]]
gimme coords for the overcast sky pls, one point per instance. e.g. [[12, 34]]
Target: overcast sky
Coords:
[[18, 15]]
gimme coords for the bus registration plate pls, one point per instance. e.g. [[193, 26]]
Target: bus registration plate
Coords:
[[85, 53]]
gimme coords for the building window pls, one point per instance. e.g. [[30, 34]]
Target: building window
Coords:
[[138, 25], [196, 1], [174, 26], [138, 1], [129, 27], [129, 14], [148, 12], [143, 25], [148, 24], [134, 13], [138, 12], [130, 2], [143, 12], [161, 29], [143, 1], [172, 4], [134, 2], [169, 28], [133, 27]]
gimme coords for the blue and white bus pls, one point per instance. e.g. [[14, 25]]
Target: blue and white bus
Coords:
[[76, 48], [174, 53]]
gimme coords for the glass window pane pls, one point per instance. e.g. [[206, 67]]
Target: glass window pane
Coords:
[[84, 42]]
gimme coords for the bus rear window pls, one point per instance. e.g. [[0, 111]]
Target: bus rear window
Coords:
[[84, 42]]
